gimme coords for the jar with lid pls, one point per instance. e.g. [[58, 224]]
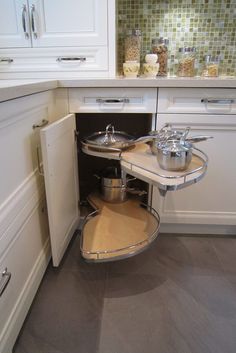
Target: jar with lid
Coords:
[[160, 47], [133, 41], [211, 66], [186, 62]]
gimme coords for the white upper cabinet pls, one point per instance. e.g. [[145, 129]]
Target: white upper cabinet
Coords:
[[14, 24], [61, 23]]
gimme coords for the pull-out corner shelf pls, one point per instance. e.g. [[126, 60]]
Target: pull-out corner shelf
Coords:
[[141, 163], [117, 231]]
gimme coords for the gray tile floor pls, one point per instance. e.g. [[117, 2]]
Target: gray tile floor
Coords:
[[177, 297]]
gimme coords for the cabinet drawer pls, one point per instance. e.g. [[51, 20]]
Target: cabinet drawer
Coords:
[[55, 60], [22, 259], [197, 100], [122, 100]]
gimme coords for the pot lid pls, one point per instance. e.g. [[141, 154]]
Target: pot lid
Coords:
[[109, 137], [174, 146]]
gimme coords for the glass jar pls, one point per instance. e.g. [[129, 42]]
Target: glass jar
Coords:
[[160, 47], [186, 62], [133, 43], [211, 66]]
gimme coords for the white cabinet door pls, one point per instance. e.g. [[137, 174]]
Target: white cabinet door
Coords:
[[60, 23], [213, 200], [59, 154], [14, 24]]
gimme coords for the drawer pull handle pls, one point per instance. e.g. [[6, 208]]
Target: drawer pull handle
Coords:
[[69, 59], [24, 21], [42, 124], [217, 101], [6, 60], [6, 276], [112, 101], [33, 21]]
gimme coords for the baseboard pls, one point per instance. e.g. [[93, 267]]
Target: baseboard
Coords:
[[21, 308], [201, 229]]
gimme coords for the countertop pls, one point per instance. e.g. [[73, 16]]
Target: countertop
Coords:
[[10, 89]]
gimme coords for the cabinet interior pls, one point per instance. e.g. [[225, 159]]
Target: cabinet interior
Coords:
[[88, 123]]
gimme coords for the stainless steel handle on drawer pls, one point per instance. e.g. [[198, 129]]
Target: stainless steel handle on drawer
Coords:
[[69, 59], [33, 26], [6, 60], [112, 101], [24, 10], [6, 276], [217, 101]]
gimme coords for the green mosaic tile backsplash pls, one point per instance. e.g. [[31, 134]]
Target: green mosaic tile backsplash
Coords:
[[208, 25]]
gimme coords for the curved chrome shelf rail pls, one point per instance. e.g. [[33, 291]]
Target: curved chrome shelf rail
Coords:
[[140, 246]]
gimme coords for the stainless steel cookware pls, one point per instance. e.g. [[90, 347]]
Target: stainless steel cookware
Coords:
[[167, 134], [114, 187], [111, 140], [174, 155]]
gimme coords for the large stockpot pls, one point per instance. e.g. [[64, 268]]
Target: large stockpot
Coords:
[[112, 186]]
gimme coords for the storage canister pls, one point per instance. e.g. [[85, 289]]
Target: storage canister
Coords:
[[186, 62], [133, 43], [160, 47], [211, 66]]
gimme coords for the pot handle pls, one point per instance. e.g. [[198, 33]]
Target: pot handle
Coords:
[[134, 191]]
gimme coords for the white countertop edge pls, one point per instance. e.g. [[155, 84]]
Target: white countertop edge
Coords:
[[191, 82], [11, 89]]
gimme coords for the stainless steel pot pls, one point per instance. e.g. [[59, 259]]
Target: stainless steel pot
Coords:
[[174, 155], [114, 188]]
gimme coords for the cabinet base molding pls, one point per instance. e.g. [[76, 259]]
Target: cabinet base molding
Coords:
[[201, 229], [20, 310]]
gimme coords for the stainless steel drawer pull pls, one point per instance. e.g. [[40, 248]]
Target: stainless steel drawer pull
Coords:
[[112, 101], [43, 123], [24, 10], [33, 26], [6, 60], [6, 276], [217, 101], [69, 59]]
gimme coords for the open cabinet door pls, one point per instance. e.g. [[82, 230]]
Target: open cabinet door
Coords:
[[59, 155]]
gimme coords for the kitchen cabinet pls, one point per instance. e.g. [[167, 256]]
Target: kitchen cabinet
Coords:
[[59, 153], [53, 23], [73, 37], [209, 206], [24, 231], [14, 24]]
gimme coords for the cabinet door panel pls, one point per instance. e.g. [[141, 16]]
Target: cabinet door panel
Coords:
[[12, 15], [59, 154], [213, 200], [69, 23]]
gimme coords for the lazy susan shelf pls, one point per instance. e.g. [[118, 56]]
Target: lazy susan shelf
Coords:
[[117, 231], [141, 163]]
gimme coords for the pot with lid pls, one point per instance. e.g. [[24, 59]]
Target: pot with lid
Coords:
[[175, 154]]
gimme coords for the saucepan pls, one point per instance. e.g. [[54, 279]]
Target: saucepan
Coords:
[[176, 154]]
